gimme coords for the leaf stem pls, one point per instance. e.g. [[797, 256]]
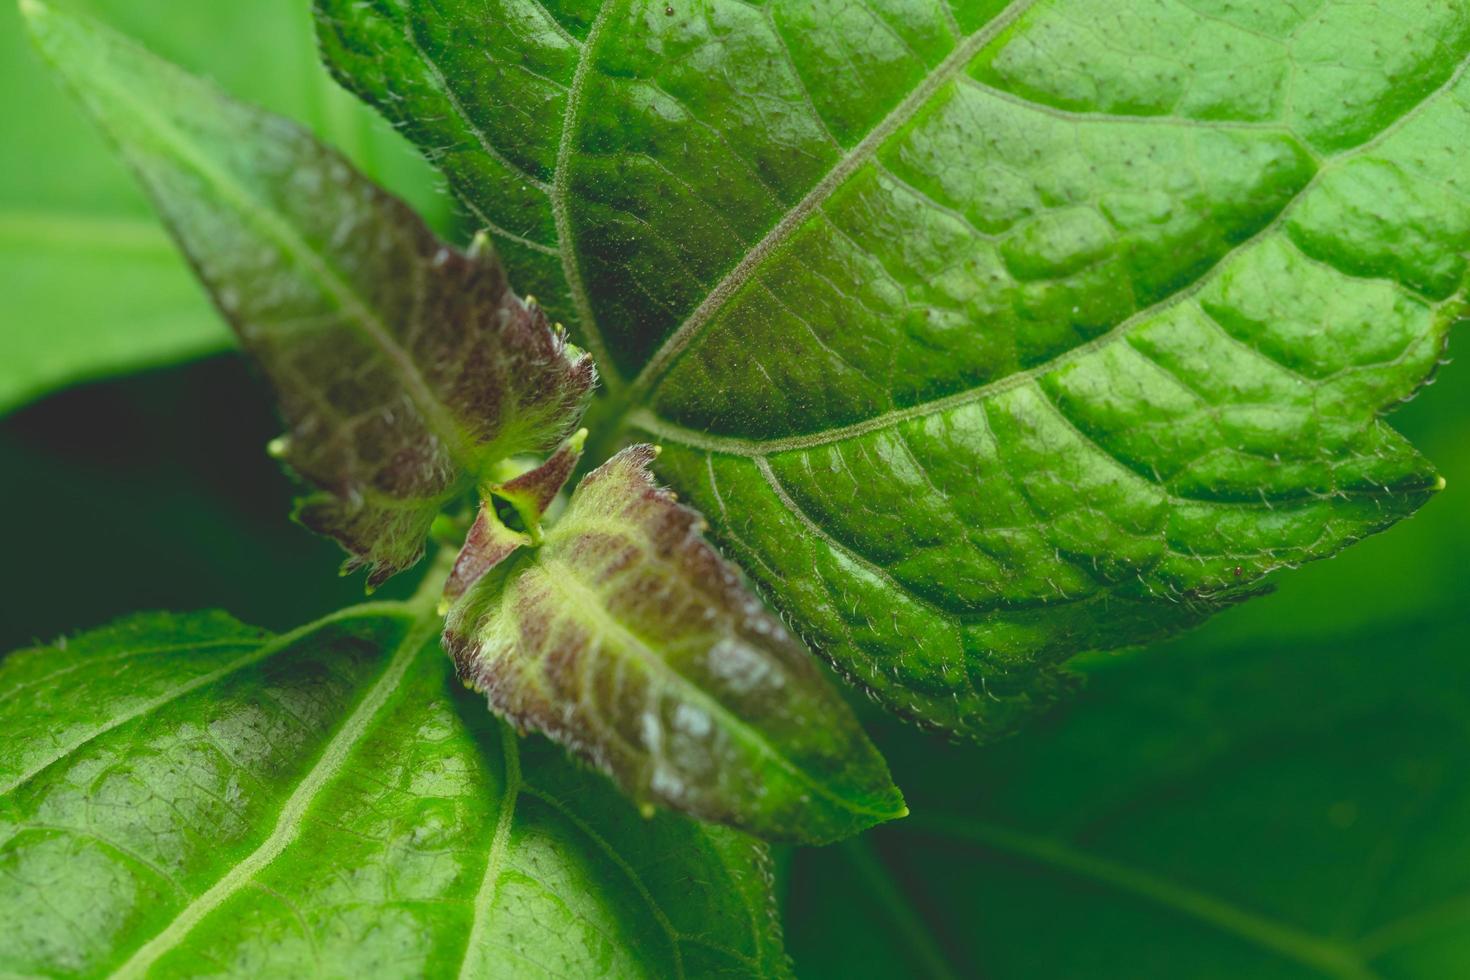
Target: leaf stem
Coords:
[[425, 600]]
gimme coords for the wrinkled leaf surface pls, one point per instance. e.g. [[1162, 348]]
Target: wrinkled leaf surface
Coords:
[[985, 332], [404, 368], [626, 637], [184, 793]]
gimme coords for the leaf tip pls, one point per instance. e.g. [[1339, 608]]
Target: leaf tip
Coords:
[[1439, 483], [278, 447], [480, 245], [647, 810]]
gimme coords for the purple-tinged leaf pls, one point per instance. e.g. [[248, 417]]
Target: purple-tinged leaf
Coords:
[[626, 638], [489, 541], [533, 492], [405, 368], [488, 544]]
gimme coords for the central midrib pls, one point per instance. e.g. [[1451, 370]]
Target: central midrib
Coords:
[[561, 206], [678, 341], [499, 845], [348, 299], [290, 820], [563, 579], [629, 408]]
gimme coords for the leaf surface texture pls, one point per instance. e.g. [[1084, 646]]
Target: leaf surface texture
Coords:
[[184, 790], [985, 333], [405, 368], [70, 214], [627, 638]]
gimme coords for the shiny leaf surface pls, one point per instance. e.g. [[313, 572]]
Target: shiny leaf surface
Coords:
[[986, 333], [183, 793], [627, 638], [405, 369]]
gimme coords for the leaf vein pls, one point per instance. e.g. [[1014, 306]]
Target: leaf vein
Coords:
[[291, 819], [561, 206], [622, 865], [1313, 951], [499, 845], [679, 341]]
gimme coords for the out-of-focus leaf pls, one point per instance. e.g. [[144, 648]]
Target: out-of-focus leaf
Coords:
[[89, 283], [184, 794], [405, 369], [627, 638], [1278, 812]]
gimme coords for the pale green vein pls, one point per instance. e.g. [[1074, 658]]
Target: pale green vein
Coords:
[[842, 551], [1324, 955], [555, 24], [561, 207], [600, 842], [1120, 119], [678, 341], [89, 662], [499, 845], [450, 96], [1453, 914], [585, 602], [655, 425], [639, 417], [290, 822], [127, 854], [153, 704]]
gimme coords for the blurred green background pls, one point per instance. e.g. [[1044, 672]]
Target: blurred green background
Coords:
[[1283, 793]]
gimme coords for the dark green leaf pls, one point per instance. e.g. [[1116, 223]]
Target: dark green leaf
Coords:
[[69, 213], [628, 639], [405, 369], [1280, 812], [183, 794], [986, 333]]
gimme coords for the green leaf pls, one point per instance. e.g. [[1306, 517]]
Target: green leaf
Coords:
[[1278, 812], [627, 638], [69, 214], [184, 794], [529, 495], [986, 333], [404, 368]]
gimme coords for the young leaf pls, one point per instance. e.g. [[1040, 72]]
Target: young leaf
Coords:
[[628, 639], [531, 494], [985, 333], [405, 369], [70, 213], [1289, 811], [183, 794]]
